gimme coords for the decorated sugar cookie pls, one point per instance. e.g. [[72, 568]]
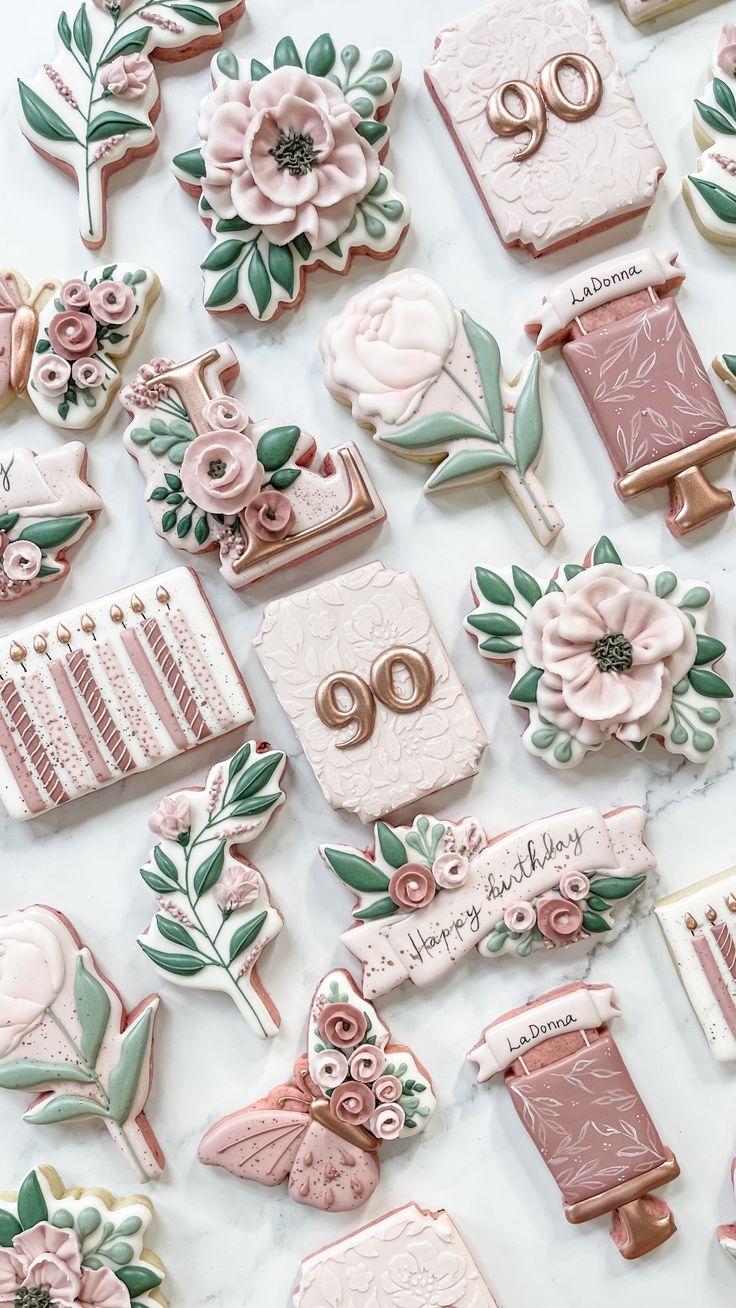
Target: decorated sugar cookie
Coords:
[[322, 1131], [46, 506], [61, 1247], [217, 480], [544, 121], [288, 172], [66, 1038], [727, 1234], [711, 191], [91, 110], [215, 915], [397, 1258], [604, 651], [641, 11], [379, 710], [643, 381], [426, 379], [428, 893], [113, 687]]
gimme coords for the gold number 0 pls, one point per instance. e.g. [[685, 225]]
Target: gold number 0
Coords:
[[361, 711], [548, 94]]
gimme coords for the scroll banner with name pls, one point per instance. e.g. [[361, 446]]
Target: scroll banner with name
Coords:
[[624, 275], [576, 1009], [425, 944]]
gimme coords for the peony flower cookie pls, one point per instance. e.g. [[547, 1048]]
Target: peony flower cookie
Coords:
[[215, 915], [544, 121], [59, 344], [323, 1130], [604, 651], [217, 480], [409, 1257], [46, 506], [288, 172], [428, 893], [426, 379], [77, 1248], [575, 1097], [710, 192], [91, 109], [66, 1038]]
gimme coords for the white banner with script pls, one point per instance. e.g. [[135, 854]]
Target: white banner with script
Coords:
[[571, 1009]]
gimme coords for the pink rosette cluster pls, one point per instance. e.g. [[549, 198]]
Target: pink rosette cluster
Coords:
[[450, 871], [353, 1076], [43, 1266], [559, 920], [284, 154], [341, 1024], [75, 331], [610, 653]]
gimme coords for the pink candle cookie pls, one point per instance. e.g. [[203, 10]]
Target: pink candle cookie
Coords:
[[603, 1150], [428, 893], [66, 1037], [409, 1256], [603, 651], [111, 688], [360, 670], [83, 1247], [426, 379], [91, 110], [322, 1131], [710, 192], [217, 480], [46, 506], [644, 383], [288, 172], [544, 122], [215, 915]]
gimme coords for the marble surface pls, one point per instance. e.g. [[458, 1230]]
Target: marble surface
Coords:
[[227, 1244]]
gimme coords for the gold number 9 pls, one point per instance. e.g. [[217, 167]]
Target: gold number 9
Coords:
[[361, 711], [547, 95], [533, 117]]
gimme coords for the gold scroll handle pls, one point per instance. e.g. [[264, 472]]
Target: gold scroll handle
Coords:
[[693, 499], [641, 1222]]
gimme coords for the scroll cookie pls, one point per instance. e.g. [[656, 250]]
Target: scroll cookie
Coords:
[[711, 191], [544, 122], [644, 383], [436, 393], [411, 1255], [59, 343], [81, 1246], [555, 1053], [112, 688], [91, 110], [322, 1131], [699, 927], [361, 672], [46, 506], [215, 915], [312, 193], [215, 480], [67, 1039], [604, 651], [428, 893]]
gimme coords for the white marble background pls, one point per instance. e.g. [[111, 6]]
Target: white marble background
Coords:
[[227, 1244]]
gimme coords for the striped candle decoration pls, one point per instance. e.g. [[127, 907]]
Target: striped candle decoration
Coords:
[[723, 938], [712, 973]]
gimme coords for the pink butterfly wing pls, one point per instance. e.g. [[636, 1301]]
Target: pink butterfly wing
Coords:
[[255, 1144], [330, 1174]]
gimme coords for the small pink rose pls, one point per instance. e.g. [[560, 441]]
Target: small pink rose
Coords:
[[519, 916], [387, 1121], [22, 560], [388, 1089], [225, 412], [74, 294], [412, 886], [574, 885], [88, 373], [52, 374], [367, 1063], [352, 1102], [237, 887], [450, 871], [172, 817], [342, 1024], [220, 471], [269, 516], [726, 50], [72, 334], [127, 76], [112, 302], [559, 920], [329, 1068]]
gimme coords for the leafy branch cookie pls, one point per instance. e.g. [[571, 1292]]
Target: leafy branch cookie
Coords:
[[710, 192]]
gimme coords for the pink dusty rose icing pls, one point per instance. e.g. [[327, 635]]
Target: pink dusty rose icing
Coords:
[[112, 302], [220, 471], [574, 885], [127, 76], [559, 920], [44, 1267], [367, 1063], [352, 1102], [412, 886], [22, 560], [388, 1089], [237, 887], [610, 654], [386, 1121], [31, 978], [450, 871], [330, 1068], [52, 374], [342, 1024], [283, 153], [74, 294], [224, 412], [172, 817], [726, 52], [88, 373], [72, 334], [269, 515], [519, 916]]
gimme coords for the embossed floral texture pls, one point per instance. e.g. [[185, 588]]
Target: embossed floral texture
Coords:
[[283, 154], [422, 1277], [726, 51], [43, 1269], [610, 653], [220, 471], [172, 817], [342, 1024], [31, 978], [127, 76]]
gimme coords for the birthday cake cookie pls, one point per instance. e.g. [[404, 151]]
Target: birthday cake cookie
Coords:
[[699, 925]]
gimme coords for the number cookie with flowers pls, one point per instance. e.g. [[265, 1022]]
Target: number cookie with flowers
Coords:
[[604, 651], [288, 172], [322, 1131]]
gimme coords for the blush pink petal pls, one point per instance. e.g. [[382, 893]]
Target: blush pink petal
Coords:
[[553, 707], [652, 626], [580, 621], [48, 1239], [640, 728], [547, 608], [612, 695], [101, 1288], [11, 1275]]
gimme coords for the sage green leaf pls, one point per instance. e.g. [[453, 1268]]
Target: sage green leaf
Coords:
[[130, 1226], [595, 923], [498, 645], [702, 741], [228, 64], [53, 532], [721, 201], [155, 883], [714, 119], [232, 225], [31, 1204], [696, 598], [257, 776], [362, 106], [617, 887], [391, 847], [374, 227], [563, 751], [286, 53], [349, 56], [88, 1221], [284, 477], [259, 282], [131, 44], [493, 588], [223, 255], [527, 586], [281, 267], [43, 119], [545, 737], [92, 1003], [202, 530], [183, 526], [46, 571], [224, 290], [193, 14], [371, 131], [528, 425], [238, 761], [494, 624], [258, 70], [8, 521], [114, 124], [245, 935], [209, 870], [320, 58], [729, 361], [494, 942], [524, 691], [177, 964], [165, 864], [599, 905], [488, 362], [709, 715], [276, 446], [123, 1081], [121, 1252], [382, 59], [175, 933], [709, 683], [356, 872], [64, 30], [665, 583], [606, 552], [137, 1279], [25, 1073], [303, 246], [379, 908], [572, 570], [724, 97], [64, 1108], [468, 463], [191, 161], [435, 429], [176, 453], [678, 734], [9, 1228], [375, 86], [258, 804], [82, 32], [708, 650]]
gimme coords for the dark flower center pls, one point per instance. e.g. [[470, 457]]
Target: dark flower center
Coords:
[[295, 151], [217, 469], [613, 653], [33, 1297]]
